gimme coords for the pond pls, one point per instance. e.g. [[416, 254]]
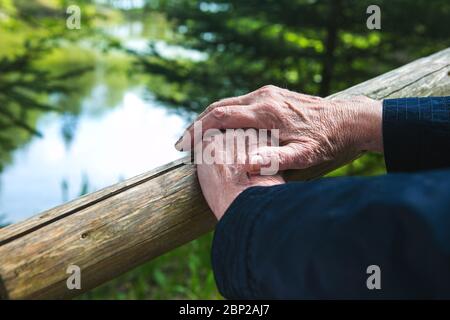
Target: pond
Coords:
[[132, 136]]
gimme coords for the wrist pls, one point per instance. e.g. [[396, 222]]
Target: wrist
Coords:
[[369, 128]]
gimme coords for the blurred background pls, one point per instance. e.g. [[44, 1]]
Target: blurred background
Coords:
[[81, 109]]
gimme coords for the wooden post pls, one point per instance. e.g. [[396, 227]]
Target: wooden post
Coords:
[[115, 229]]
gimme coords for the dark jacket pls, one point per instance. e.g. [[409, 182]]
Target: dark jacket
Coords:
[[318, 239]]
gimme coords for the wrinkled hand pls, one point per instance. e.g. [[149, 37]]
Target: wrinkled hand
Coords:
[[221, 183], [312, 129]]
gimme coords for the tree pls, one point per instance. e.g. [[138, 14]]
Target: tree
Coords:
[[317, 47]]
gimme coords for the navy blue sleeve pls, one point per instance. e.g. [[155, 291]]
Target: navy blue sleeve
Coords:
[[416, 133], [316, 239]]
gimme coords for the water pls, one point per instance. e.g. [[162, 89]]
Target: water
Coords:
[[122, 141]]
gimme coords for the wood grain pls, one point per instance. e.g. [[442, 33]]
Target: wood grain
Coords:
[[117, 228]]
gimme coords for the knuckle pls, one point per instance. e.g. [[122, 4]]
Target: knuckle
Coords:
[[269, 87], [267, 90], [219, 112]]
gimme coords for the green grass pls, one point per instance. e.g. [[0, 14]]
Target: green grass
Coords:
[[184, 273]]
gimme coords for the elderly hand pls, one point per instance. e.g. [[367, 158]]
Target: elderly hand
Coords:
[[221, 183], [311, 129]]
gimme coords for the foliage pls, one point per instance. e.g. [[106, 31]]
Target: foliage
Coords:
[[316, 47], [184, 273]]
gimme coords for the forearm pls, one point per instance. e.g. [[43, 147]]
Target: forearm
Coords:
[[309, 240]]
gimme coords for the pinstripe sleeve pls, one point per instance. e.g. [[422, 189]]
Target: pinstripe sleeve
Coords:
[[416, 133]]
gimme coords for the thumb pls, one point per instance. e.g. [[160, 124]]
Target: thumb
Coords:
[[290, 156]]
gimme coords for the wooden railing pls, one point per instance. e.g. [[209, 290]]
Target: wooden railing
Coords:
[[113, 230]]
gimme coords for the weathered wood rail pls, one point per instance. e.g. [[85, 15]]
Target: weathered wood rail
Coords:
[[115, 229]]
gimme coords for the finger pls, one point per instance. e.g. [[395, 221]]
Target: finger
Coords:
[[229, 117], [246, 142], [190, 129], [291, 156], [232, 101], [232, 117]]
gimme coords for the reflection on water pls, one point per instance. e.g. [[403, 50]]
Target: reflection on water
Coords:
[[135, 36], [130, 139], [104, 147]]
